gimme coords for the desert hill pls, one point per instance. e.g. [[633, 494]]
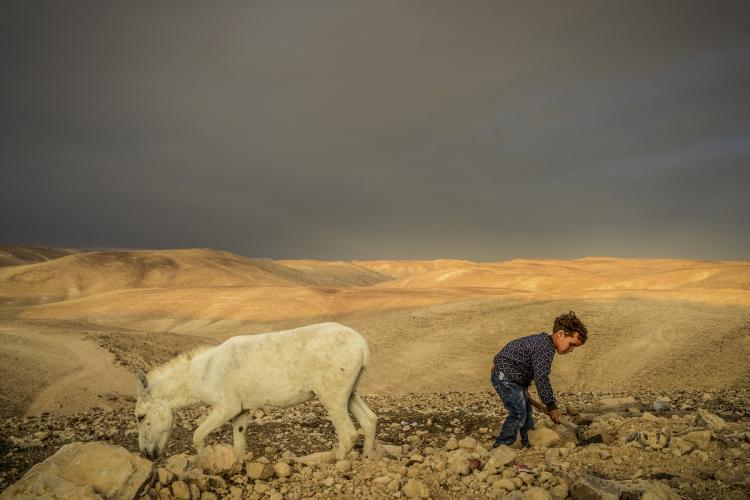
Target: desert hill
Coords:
[[90, 273], [432, 325], [13, 255]]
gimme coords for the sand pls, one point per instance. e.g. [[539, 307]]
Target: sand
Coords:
[[74, 325]]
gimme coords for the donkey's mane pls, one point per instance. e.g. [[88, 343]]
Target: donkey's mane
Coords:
[[185, 357]]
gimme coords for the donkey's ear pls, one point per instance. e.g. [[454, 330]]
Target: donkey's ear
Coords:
[[141, 384]]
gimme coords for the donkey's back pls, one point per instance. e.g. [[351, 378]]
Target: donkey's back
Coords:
[[281, 368]]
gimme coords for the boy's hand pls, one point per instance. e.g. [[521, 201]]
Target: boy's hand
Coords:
[[555, 415]]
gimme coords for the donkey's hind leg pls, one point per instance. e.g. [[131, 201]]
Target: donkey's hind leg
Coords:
[[367, 419], [336, 406], [239, 426]]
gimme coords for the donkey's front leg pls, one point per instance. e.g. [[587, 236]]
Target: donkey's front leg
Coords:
[[214, 420], [239, 425]]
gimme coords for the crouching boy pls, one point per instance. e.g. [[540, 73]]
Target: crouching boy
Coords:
[[530, 358]]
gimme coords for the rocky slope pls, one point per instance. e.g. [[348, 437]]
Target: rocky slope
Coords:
[[655, 445]]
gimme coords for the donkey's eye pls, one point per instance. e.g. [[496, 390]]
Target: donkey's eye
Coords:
[[140, 417]]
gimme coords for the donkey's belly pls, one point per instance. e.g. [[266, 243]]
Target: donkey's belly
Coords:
[[279, 398]]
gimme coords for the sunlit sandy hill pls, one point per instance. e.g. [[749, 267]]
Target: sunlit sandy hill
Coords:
[[431, 325]]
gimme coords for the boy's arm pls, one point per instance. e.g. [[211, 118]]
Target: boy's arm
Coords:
[[542, 366]]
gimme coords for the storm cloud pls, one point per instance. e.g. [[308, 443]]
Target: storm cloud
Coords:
[[378, 130]]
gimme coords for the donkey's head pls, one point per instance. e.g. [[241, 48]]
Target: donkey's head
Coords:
[[155, 420]]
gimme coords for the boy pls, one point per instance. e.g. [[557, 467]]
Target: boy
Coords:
[[526, 359]]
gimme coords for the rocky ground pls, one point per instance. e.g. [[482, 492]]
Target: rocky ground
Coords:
[[655, 445]]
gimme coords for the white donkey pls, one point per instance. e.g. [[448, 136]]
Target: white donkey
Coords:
[[255, 371]]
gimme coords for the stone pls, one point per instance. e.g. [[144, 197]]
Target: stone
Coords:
[[257, 470], [713, 422], [559, 492], [392, 450], [414, 488], [544, 437], [654, 440], [616, 404], [536, 493], [505, 484], [681, 446], [702, 439], [590, 487], [177, 465], [164, 476], [216, 459], [180, 490], [458, 462], [282, 469], [451, 444], [659, 491], [321, 457], [83, 471], [503, 455], [468, 443]]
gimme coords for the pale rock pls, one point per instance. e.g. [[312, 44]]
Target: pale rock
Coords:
[[164, 476], [458, 462], [392, 450], [544, 437], [505, 484], [216, 459], [395, 485], [180, 490], [503, 455], [526, 477], [660, 491], [536, 493], [559, 492], [468, 443], [282, 469], [321, 457], [700, 455], [83, 471], [594, 488], [451, 444], [615, 404], [510, 473], [195, 492], [209, 495], [258, 470], [414, 488], [681, 446], [713, 422], [655, 440], [178, 465], [702, 439]]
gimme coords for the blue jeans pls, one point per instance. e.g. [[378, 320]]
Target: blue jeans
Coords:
[[520, 412]]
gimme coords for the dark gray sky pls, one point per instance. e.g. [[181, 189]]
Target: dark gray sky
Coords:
[[366, 130]]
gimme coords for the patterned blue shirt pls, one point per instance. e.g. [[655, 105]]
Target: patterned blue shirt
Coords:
[[529, 358]]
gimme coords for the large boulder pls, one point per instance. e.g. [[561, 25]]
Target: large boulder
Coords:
[[503, 455], [216, 459], [544, 437], [85, 471]]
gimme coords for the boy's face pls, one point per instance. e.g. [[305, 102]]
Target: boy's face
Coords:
[[566, 343]]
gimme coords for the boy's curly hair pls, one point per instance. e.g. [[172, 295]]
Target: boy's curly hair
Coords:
[[570, 324]]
